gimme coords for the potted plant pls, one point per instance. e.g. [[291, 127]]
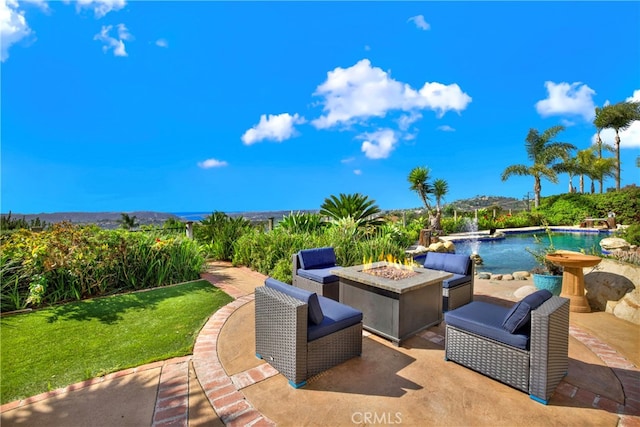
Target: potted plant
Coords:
[[546, 275]]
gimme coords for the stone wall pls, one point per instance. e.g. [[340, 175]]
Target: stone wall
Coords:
[[614, 287]]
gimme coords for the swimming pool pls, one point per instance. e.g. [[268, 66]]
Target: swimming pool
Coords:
[[508, 254]]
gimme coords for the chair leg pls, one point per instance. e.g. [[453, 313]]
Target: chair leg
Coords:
[[298, 385]]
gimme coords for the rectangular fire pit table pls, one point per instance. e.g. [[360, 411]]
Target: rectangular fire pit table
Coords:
[[393, 309]]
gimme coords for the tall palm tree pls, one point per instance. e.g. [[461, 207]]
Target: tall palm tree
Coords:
[[440, 189], [419, 180], [362, 210], [544, 153], [586, 161], [601, 169], [617, 117], [572, 168]]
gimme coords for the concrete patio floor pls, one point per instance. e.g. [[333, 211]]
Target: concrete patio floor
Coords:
[[223, 383]]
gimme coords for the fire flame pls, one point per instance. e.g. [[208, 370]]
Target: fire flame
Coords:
[[391, 260]]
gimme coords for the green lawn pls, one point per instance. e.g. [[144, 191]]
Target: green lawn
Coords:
[[57, 346]]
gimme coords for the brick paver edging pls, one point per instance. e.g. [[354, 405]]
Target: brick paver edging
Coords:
[[222, 390]]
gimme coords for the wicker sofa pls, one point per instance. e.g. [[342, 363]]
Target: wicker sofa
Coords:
[[311, 270], [458, 290], [525, 347], [302, 334]]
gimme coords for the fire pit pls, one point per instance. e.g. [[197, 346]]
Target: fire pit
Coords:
[[393, 272], [397, 301]]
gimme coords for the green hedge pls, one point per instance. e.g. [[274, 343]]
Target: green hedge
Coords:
[[70, 262]]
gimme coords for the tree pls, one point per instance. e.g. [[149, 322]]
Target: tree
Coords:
[[357, 207], [544, 153], [617, 117], [420, 183], [419, 180], [440, 189], [128, 222]]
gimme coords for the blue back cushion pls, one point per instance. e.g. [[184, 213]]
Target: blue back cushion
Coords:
[[317, 258], [453, 263], [310, 298], [520, 314]]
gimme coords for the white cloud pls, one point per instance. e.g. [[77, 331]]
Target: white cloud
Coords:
[[379, 144], [100, 7], [363, 91], [630, 137], [357, 172], [212, 163], [13, 26], [273, 127], [446, 128], [162, 43], [567, 99], [112, 43], [420, 22], [407, 120], [347, 160]]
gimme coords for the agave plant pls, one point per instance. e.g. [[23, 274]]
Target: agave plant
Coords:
[[362, 210]]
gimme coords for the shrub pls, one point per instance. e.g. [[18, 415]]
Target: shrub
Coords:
[[217, 234], [631, 234], [71, 262]]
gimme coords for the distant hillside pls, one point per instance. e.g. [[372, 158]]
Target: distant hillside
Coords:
[[480, 202], [102, 219]]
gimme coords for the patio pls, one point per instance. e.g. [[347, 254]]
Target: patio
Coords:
[[409, 385]]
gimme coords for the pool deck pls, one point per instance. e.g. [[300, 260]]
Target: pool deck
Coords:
[[223, 383]]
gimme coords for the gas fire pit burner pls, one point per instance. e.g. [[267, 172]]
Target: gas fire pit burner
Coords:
[[390, 272]]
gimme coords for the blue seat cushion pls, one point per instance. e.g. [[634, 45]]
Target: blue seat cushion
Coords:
[[317, 258], [520, 314], [456, 280], [310, 298], [337, 316], [485, 319], [321, 275], [452, 263]]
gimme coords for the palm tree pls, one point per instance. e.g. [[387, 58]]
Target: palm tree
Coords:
[[617, 117], [603, 168], [128, 222], [543, 152], [419, 180], [585, 161], [362, 210], [440, 189], [570, 167]]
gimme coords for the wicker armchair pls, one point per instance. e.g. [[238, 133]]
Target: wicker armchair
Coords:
[[302, 334], [535, 358], [311, 270]]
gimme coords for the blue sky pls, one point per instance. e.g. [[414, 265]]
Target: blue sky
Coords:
[[243, 106]]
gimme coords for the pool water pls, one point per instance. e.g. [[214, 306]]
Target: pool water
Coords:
[[504, 256]]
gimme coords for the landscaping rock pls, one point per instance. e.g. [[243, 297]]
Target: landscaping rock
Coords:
[[613, 243], [521, 275], [507, 277], [484, 275], [611, 287], [449, 246], [496, 277]]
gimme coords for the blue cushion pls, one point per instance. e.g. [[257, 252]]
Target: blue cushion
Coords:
[[337, 316], [317, 258], [310, 298], [520, 314], [321, 275], [452, 263], [485, 319], [456, 280]]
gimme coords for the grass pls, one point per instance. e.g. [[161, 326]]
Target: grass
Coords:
[[57, 346]]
